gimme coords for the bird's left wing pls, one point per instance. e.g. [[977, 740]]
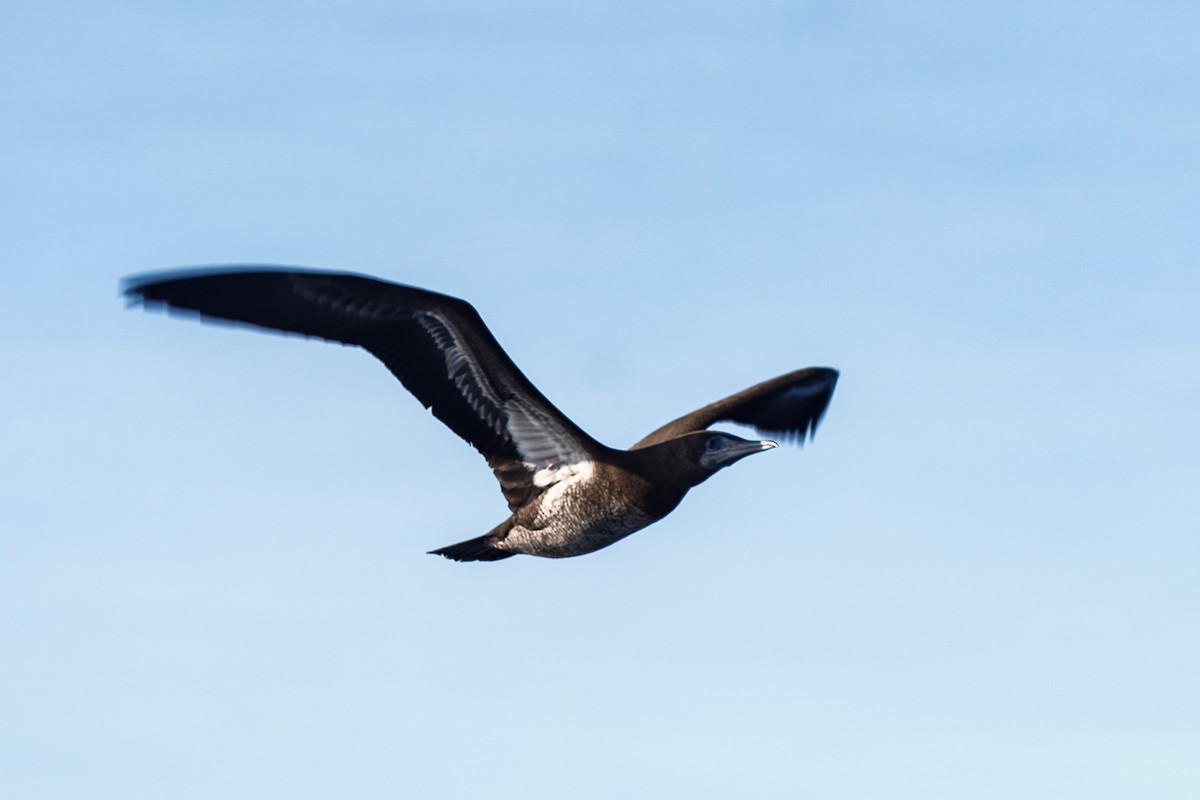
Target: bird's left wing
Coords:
[[437, 345], [789, 407]]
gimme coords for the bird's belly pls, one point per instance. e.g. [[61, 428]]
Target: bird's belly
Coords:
[[565, 534]]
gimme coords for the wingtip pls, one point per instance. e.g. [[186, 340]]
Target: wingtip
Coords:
[[829, 374], [138, 282]]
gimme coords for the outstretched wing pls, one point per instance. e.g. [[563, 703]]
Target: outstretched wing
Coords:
[[438, 346], [788, 407]]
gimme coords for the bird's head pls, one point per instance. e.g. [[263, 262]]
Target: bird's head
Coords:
[[693, 458], [715, 450]]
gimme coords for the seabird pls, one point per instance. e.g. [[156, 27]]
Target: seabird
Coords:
[[568, 494]]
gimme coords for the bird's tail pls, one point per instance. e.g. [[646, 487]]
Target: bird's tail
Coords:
[[477, 549]]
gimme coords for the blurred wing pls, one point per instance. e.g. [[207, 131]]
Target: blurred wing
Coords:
[[788, 407], [438, 346]]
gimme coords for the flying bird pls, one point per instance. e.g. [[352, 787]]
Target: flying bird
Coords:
[[568, 494]]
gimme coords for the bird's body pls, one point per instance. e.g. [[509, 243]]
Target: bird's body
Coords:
[[594, 506], [600, 502], [567, 493]]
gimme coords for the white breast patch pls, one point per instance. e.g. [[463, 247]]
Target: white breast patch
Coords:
[[559, 481]]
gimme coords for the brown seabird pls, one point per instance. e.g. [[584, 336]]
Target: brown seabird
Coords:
[[568, 493]]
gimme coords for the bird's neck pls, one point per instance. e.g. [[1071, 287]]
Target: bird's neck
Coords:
[[668, 466]]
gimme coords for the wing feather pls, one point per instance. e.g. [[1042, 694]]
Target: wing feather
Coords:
[[436, 345], [789, 407]]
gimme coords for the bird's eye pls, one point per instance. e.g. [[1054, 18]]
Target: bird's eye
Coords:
[[713, 443]]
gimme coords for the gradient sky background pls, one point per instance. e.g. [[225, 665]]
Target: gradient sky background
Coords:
[[979, 581]]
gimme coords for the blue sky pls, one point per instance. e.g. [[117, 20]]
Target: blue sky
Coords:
[[978, 581]]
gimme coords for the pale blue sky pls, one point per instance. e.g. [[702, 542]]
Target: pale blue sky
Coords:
[[980, 580]]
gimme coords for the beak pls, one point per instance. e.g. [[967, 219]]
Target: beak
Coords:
[[737, 452]]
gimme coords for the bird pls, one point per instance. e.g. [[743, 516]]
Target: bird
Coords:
[[567, 494]]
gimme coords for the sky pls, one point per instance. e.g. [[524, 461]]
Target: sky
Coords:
[[979, 580]]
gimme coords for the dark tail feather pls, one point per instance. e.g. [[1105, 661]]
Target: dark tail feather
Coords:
[[476, 549]]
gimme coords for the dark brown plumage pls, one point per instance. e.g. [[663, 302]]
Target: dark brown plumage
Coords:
[[568, 494]]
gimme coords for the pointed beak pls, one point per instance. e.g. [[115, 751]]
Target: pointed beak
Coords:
[[737, 452]]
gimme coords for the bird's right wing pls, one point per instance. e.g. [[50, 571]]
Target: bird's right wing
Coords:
[[789, 407], [437, 345]]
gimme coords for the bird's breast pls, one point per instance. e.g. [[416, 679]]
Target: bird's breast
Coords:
[[589, 510]]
